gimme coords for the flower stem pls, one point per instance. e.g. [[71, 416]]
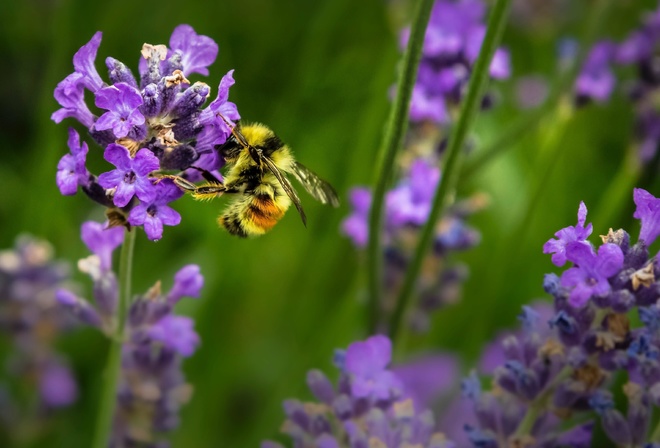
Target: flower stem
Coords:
[[393, 140], [113, 366], [451, 160]]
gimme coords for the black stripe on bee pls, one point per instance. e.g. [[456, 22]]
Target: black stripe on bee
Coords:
[[271, 144], [234, 226]]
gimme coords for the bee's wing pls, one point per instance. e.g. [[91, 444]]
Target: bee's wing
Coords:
[[286, 185], [317, 187]]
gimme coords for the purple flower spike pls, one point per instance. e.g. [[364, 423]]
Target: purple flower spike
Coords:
[[366, 362], [648, 212], [154, 214], [57, 386], [197, 52], [83, 62], [216, 130], [71, 170], [102, 241], [130, 177], [70, 94], [589, 277], [356, 225], [567, 235], [596, 80], [188, 282], [122, 102], [176, 333]]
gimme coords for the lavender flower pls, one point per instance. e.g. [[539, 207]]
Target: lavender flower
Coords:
[[451, 45], [596, 80], [157, 124], [152, 387], [350, 415], [563, 371], [577, 233], [31, 321]]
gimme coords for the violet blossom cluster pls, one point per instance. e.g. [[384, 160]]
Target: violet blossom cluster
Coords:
[[452, 42], [159, 123], [152, 387], [559, 372], [31, 321], [638, 51], [367, 408]]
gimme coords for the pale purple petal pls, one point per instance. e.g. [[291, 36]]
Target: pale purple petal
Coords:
[[57, 386], [102, 240], [648, 212], [176, 333], [70, 94], [66, 177], [83, 62], [610, 260], [197, 51], [188, 282], [145, 162], [153, 227]]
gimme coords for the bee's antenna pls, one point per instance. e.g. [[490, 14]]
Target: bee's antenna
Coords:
[[237, 135]]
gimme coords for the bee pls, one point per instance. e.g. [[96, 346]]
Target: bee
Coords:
[[258, 162]]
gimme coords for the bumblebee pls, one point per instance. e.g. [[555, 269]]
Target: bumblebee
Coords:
[[258, 162]]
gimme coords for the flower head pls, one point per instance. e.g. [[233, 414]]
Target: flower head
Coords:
[[122, 102], [154, 214], [577, 233], [71, 170], [366, 362], [131, 177]]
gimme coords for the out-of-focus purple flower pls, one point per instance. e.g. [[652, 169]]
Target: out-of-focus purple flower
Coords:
[[577, 233], [451, 45], [596, 80], [122, 103], [589, 277], [531, 91], [410, 202], [197, 51], [177, 333], [57, 386], [356, 421], [31, 321], [648, 212], [131, 176], [71, 170], [188, 282], [356, 225], [427, 378], [102, 240], [154, 214], [366, 362]]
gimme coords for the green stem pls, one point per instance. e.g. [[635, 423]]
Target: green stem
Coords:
[[113, 366], [655, 436], [393, 140], [451, 160]]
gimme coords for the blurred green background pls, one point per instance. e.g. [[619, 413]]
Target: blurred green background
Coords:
[[318, 73]]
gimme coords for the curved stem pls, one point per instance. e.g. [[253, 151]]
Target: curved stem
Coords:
[[113, 366], [394, 133], [451, 160]]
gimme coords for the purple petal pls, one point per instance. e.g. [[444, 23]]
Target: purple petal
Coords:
[[83, 62], [118, 156], [138, 215], [111, 179], [197, 52], [188, 282], [70, 94], [168, 215], [610, 260], [123, 194], [66, 178], [648, 212], [145, 162], [153, 227], [102, 240], [176, 333], [57, 386]]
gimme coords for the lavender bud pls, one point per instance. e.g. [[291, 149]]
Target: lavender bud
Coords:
[[191, 99], [119, 72], [79, 307], [153, 101], [320, 386]]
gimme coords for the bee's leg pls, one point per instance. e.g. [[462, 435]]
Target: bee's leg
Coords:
[[209, 176], [179, 181]]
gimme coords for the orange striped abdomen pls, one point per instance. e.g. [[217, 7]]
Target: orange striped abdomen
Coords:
[[253, 215]]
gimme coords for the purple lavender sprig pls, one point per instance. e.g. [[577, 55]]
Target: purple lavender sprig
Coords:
[[151, 387], [560, 369], [158, 123], [367, 407], [31, 320]]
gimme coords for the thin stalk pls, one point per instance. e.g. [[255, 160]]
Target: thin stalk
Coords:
[[451, 160], [113, 366], [393, 140]]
